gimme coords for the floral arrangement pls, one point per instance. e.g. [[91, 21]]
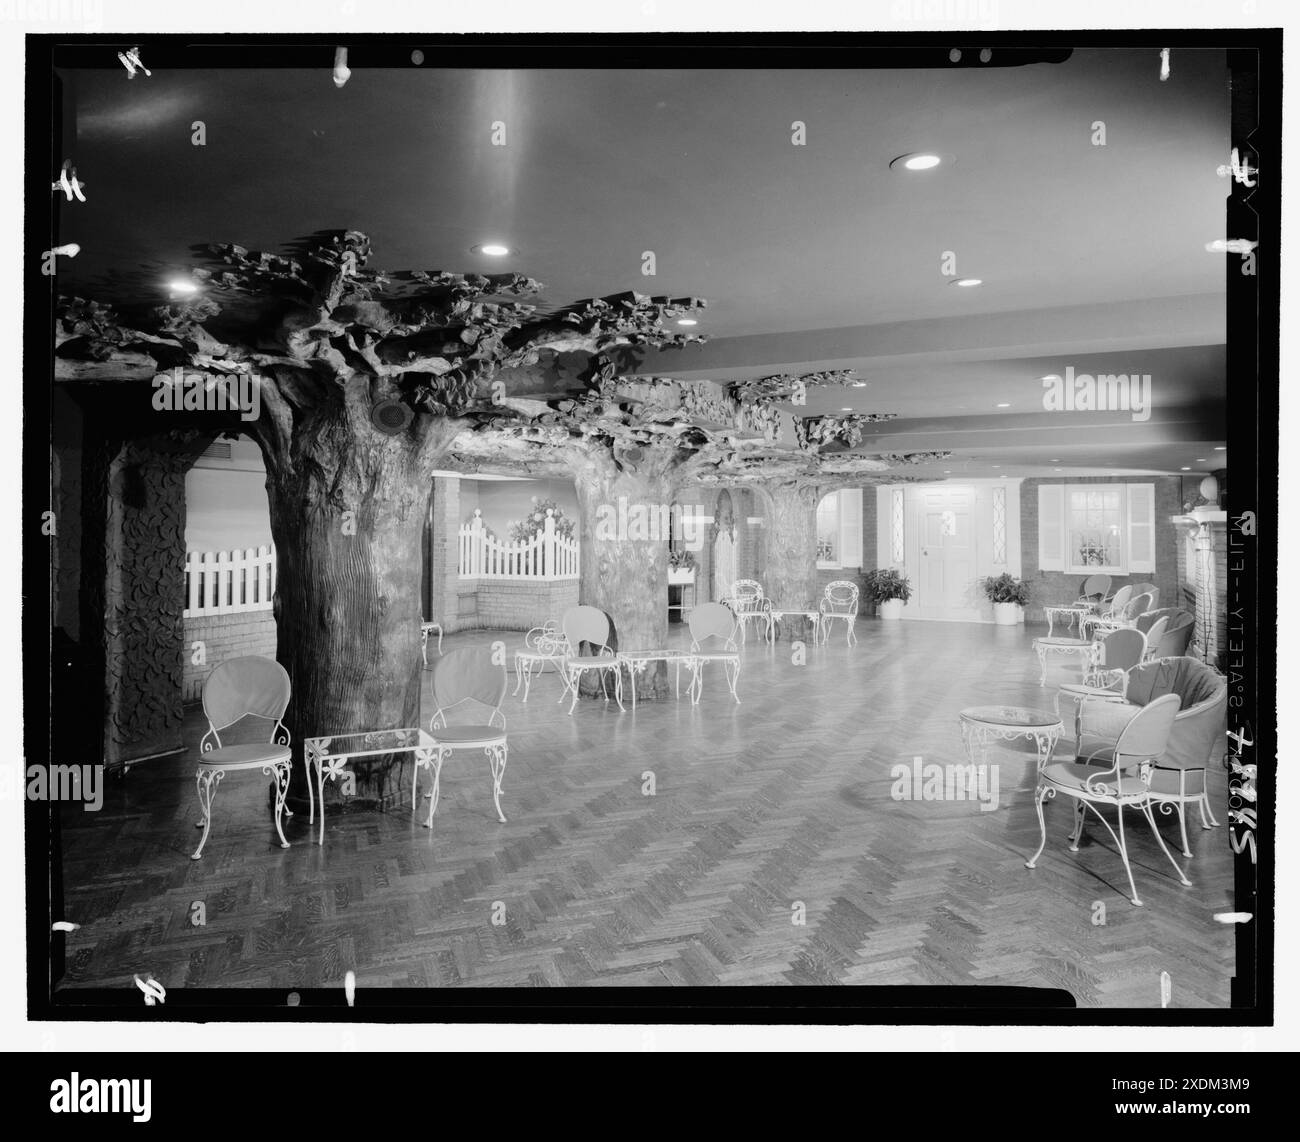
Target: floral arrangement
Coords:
[[1006, 588], [680, 560], [521, 531]]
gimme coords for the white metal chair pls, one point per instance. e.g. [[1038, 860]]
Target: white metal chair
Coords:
[[840, 601], [1120, 776], [1107, 675], [713, 621], [1109, 609], [1127, 616], [465, 683], [592, 626], [543, 646], [1096, 589], [1148, 588], [237, 689], [1177, 636], [426, 629], [747, 602]]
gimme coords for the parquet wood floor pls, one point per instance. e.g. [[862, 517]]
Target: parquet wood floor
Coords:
[[779, 804]]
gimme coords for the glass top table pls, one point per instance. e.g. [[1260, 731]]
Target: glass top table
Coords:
[[981, 724]]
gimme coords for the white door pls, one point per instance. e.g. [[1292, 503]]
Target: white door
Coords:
[[946, 586]]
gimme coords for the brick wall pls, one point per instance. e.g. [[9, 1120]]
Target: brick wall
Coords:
[[223, 636], [1049, 587], [506, 605]]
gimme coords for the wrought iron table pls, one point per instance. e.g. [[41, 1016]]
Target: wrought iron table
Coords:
[[330, 757], [980, 724]]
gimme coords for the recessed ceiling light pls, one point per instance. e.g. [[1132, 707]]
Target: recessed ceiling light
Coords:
[[997, 465], [859, 384], [916, 161], [1184, 469], [947, 471], [1200, 459], [1004, 404], [1058, 469], [492, 250], [846, 408], [1218, 449], [687, 321], [182, 286], [967, 282], [1055, 460]]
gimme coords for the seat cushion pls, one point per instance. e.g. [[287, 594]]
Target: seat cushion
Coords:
[[244, 756], [1072, 775], [1165, 781], [468, 735]]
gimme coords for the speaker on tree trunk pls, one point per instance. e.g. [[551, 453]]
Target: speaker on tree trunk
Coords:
[[391, 416]]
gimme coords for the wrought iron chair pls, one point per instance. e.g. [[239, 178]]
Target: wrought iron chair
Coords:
[[543, 646], [1096, 589], [426, 629], [240, 688], [1112, 608], [1180, 776], [713, 621], [747, 601], [1119, 775], [1128, 616], [592, 626], [465, 682], [840, 601], [1148, 588], [1107, 675]]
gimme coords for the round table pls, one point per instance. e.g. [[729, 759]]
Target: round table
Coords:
[[1068, 611], [982, 724]]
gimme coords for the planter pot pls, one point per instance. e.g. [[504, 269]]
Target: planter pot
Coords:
[[891, 609], [1008, 614], [677, 576]]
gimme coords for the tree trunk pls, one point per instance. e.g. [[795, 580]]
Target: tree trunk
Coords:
[[624, 503], [792, 551], [348, 506]]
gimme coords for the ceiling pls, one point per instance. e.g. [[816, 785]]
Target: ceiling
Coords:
[[815, 256]]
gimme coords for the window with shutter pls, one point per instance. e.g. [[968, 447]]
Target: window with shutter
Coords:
[[1051, 527], [1141, 528]]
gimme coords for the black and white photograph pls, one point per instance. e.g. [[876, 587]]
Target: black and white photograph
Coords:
[[649, 526]]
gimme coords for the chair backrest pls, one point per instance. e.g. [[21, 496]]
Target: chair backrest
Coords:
[[1120, 600], [1095, 585], [1138, 605], [1123, 649], [745, 596], [1146, 737], [239, 687], [1156, 633], [841, 597], [1177, 637], [587, 624], [1146, 588], [712, 620], [468, 675], [545, 639]]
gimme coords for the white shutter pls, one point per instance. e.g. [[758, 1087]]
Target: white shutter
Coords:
[[1141, 529], [851, 527], [1051, 527]]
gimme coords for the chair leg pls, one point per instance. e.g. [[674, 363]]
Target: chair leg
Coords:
[[1182, 826], [496, 755], [733, 677], [438, 757], [1040, 795], [206, 782], [1146, 809], [1123, 852], [573, 685], [1076, 834], [281, 775], [519, 679], [1205, 808]]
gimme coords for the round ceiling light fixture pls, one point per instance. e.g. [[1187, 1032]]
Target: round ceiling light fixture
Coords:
[[966, 283], [918, 161], [492, 249], [1004, 404], [180, 285], [687, 321], [1219, 448]]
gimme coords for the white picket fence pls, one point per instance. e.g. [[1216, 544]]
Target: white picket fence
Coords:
[[227, 582], [548, 555]]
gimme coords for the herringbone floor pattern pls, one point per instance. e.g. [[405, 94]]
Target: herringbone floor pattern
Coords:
[[763, 814]]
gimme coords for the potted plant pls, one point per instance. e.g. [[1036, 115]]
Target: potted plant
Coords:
[[681, 567], [889, 590], [1008, 596]]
